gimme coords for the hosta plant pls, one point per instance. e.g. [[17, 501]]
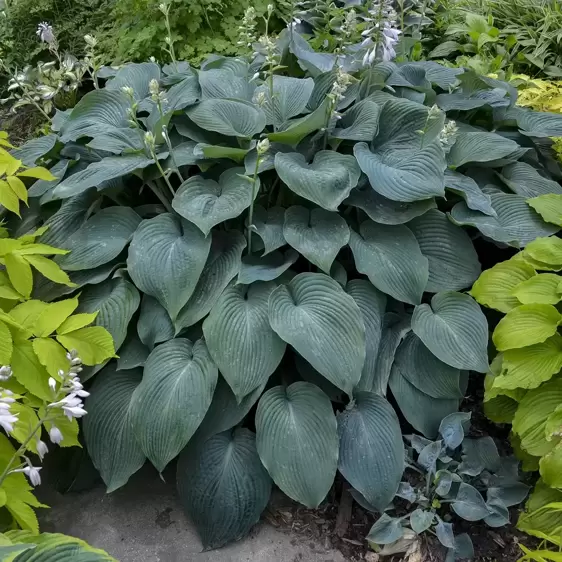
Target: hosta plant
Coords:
[[453, 476], [288, 233], [524, 386]]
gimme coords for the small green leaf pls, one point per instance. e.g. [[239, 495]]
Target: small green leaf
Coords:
[[94, 345], [51, 355], [5, 344], [53, 316], [547, 250], [76, 322], [549, 207], [20, 274], [540, 289]]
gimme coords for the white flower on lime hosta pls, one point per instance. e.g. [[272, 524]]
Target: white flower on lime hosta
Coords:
[[32, 472], [71, 405], [53, 382], [55, 435], [7, 419], [42, 448], [5, 373], [45, 33]]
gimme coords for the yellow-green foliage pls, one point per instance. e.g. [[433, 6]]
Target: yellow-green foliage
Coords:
[[524, 386]]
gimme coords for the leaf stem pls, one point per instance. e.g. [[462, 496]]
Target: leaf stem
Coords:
[[251, 211]]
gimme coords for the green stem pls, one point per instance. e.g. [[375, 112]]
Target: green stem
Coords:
[[163, 174], [156, 190], [251, 212]]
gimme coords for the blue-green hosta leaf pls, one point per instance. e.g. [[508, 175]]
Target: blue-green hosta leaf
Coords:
[[454, 329], [445, 535], [453, 261], [172, 399], [100, 239], [423, 370], [166, 258], [290, 96], [265, 268], [224, 83], [422, 412], [359, 123], [266, 161], [41, 187], [470, 191], [183, 94], [436, 73], [108, 431], [537, 123], [314, 315], [386, 211], [99, 172], [481, 453], [372, 304], [35, 149], [223, 486], [268, 225], [95, 113], [308, 58], [234, 118], [386, 530], [116, 300], [371, 450], [136, 76], [404, 175], [326, 182], [241, 342], [311, 375], [225, 412], [390, 256], [297, 440], [453, 428], [154, 325], [517, 224], [394, 330], [317, 234], [420, 520], [223, 264], [184, 155], [526, 181], [469, 503], [479, 147], [133, 353], [206, 203], [117, 141]]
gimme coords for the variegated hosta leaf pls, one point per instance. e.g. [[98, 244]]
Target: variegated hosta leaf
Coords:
[[372, 304], [454, 329], [207, 203], [100, 239], [297, 440], [327, 181], [391, 257], [453, 262], [314, 315], [223, 486], [317, 234], [371, 455], [241, 342], [108, 431], [166, 258], [171, 401]]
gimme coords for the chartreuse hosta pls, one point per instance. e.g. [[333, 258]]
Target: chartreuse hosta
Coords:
[[297, 239], [524, 387]]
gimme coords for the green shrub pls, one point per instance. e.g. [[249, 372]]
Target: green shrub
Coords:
[[299, 241]]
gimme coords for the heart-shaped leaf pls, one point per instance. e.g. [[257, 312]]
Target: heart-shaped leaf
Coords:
[[265, 268], [297, 440], [154, 325], [314, 315], [360, 123], [479, 146], [136, 76], [224, 83], [475, 198], [268, 225], [469, 503]]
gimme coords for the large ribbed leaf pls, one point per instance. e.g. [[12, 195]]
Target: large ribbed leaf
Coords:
[[326, 182], [241, 342], [115, 300], [453, 262], [297, 440], [223, 486], [135, 76], [107, 427], [359, 123], [385, 211], [475, 198], [98, 172], [394, 330], [422, 412], [221, 267], [268, 225], [516, 223], [314, 315], [133, 353], [172, 399], [422, 369], [206, 202], [390, 256], [454, 329], [538, 123], [372, 304], [526, 181], [154, 325], [371, 448], [308, 57], [41, 187], [234, 118], [100, 239], [404, 175], [266, 268], [96, 112], [166, 258], [224, 83], [317, 234], [34, 149], [479, 146], [549, 207], [117, 141], [290, 96]]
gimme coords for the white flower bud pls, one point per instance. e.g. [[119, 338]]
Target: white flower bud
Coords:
[[263, 146], [55, 435], [5, 373], [42, 448]]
